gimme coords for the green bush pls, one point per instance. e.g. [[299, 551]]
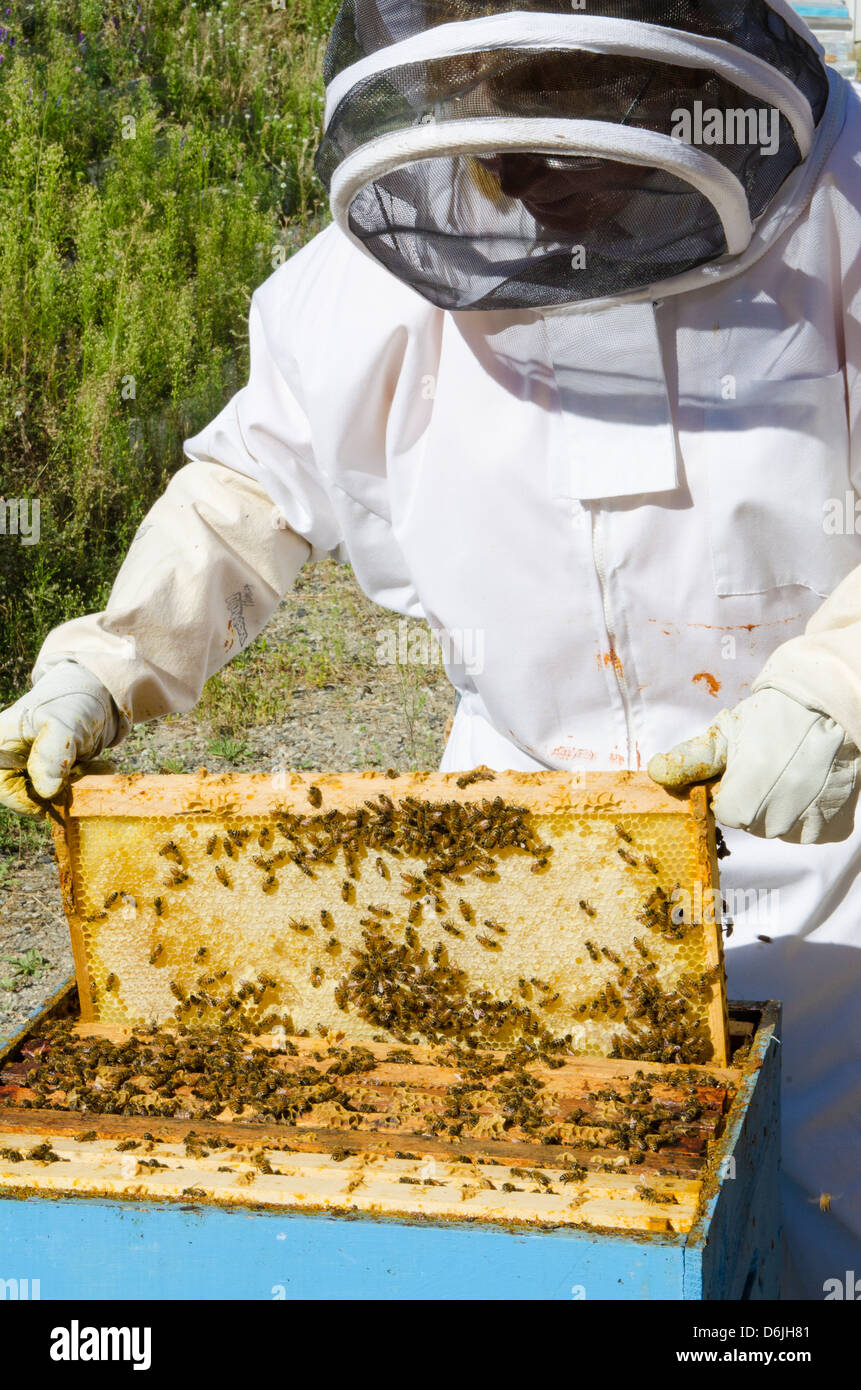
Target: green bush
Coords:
[[155, 162]]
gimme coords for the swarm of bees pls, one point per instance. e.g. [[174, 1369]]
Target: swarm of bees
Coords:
[[406, 986], [205, 1074]]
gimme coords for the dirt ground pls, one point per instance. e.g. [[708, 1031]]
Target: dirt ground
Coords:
[[311, 693]]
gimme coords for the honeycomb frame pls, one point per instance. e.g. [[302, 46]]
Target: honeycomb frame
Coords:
[[111, 836]]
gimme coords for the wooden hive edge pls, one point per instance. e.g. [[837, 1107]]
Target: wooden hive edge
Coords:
[[254, 794]]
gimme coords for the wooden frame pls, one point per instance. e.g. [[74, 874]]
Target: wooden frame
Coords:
[[242, 795]]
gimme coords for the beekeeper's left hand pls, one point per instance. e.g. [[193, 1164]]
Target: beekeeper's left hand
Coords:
[[787, 771]]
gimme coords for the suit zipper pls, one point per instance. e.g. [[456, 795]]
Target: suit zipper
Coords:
[[609, 623]]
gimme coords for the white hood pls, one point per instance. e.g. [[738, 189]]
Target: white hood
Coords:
[[495, 156]]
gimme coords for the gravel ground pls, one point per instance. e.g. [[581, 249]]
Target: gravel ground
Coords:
[[333, 708]]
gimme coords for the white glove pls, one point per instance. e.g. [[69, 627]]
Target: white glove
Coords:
[[67, 718], [787, 771]]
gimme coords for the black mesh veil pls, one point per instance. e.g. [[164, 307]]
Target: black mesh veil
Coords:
[[431, 167]]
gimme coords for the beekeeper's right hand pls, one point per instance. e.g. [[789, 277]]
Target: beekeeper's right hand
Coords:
[[67, 718]]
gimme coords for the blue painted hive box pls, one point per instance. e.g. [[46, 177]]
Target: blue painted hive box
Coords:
[[232, 1212]]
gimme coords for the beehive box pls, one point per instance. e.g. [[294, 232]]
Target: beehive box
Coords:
[[485, 909], [458, 1010], [102, 1204]]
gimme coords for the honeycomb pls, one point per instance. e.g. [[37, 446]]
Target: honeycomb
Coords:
[[230, 903]]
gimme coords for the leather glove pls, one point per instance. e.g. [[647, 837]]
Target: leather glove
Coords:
[[787, 771], [68, 717]]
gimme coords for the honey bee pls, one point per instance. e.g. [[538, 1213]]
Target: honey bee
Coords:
[[221, 875], [175, 878], [111, 982], [171, 850], [158, 905], [315, 796], [316, 977], [238, 836], [628, 857], [381, 868], [111, 899], [540, 863], [327, 919], [269, 882], [346, 890], [489, 942], [622, 833], [465, 910], [177, 991], [211, 843], [414, 913], [201, 953], [451, 929], [154, 954], [301, 927], [587, 908], [227, 846], [595, 955], [332, 945], [650, 864]]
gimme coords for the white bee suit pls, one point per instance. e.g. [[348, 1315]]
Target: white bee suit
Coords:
[[632, 506], [611, 626]]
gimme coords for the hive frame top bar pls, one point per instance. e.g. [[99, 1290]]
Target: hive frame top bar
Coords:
[[238, 794]]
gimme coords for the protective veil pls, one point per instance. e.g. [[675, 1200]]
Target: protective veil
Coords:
[[516, 154]]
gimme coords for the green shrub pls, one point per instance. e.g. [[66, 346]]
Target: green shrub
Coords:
[[155, 161]]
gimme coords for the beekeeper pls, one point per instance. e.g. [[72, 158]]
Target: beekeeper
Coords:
[[576, 369]]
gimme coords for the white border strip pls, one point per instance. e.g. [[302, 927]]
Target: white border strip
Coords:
[[587, 33], [603, 139]]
